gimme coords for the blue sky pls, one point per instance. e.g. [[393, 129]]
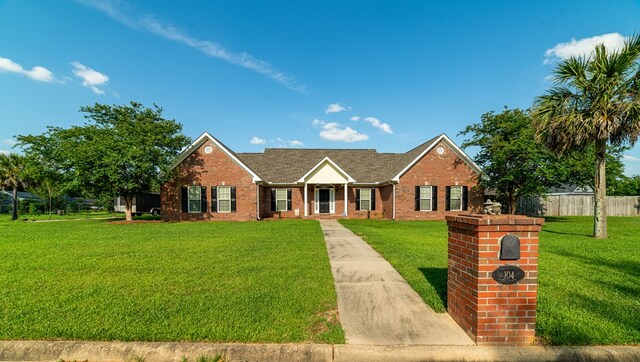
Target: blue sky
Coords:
[[325, 74]]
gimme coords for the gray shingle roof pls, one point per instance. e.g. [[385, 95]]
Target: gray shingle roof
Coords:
[[287, 165]]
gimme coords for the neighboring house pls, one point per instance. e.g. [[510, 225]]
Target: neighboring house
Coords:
[[6, 199], [569, 189], [211, 182]]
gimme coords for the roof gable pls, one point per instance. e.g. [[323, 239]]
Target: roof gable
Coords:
[[429, 146], [201, 140], [326, 171]]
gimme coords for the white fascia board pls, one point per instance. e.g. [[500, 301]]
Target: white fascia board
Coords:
[[199, 141], [451, 144], [327, 159]]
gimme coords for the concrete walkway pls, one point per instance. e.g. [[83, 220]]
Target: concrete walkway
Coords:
[[376, 305]]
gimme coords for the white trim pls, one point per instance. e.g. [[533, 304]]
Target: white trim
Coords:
[[306, 205], [257, 201], [456, 149], [199, 141], [327, 159], [199, 200], [332, 200], [394, 201], [461, 197], [218, 199], [346, 199], [430, 198]]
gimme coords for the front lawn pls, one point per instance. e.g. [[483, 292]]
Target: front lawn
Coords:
[[155, 281], [589, 289]]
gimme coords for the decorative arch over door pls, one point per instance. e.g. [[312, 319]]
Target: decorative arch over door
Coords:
[[325, 199]]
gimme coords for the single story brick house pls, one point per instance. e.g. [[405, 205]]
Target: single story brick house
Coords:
[[211, 182]]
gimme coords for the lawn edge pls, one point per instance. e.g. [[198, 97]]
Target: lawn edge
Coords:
[[176, 351]]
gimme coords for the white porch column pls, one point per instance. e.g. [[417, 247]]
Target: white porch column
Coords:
[[346, 199], [306, 205]]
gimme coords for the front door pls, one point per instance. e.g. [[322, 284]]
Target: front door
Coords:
[[324, 198]]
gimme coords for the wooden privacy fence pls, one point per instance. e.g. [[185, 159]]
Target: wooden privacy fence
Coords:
[[576, 205]]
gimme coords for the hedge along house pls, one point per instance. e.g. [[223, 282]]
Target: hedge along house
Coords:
[[211, 182]]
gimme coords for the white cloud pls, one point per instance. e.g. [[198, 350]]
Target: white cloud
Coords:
[[336, 108], [355, 118], [212, 49], [90, 78], [630, 158], [584, 46], [4, 152], [316, 122], [384, 127], [333, 132], [257, 141], [37, 73], [8, 142], [296, 143]]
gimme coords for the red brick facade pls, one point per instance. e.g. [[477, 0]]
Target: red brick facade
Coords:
[[253, 197], [212, 169], [441, 170], [492, 313]]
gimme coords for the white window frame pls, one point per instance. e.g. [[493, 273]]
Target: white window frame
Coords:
[[280, 199], [223, 199], [430, 198], [189, 199], [363, 199], [451, 198]]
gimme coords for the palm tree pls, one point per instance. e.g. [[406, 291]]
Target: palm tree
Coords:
[[596, 99], [12, 175]]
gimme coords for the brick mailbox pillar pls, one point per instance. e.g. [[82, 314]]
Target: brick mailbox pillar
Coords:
[[492, 281]]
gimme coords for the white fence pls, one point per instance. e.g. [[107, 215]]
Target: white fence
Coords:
[[576, 205]]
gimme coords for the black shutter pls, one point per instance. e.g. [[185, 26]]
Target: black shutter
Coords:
[[447, 205], [465, 195], [185, 199], [434, 198], [357, 199], [373, 199], [273, 200], [233, 199], [289, 199], [417, 198], [214, 199], [203, 199]]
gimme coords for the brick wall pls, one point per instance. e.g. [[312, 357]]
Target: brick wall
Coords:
[[492, 313], [438, 170], [213, 169]]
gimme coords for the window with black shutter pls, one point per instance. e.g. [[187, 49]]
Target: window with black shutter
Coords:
[[185, 199], [214, 198], [233, 199]]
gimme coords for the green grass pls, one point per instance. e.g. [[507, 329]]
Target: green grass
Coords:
[[190, 281], [589, 289], [70, 216]]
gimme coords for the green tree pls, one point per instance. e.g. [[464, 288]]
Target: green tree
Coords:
[[122, 151], [512, 163], [595, 100], [13, 176]]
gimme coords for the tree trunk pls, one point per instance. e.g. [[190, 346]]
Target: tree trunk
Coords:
[[128, 201], [600, 207], [511, 203], [14, 212]]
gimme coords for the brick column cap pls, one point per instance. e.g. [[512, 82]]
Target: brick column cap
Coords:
[[483, 219]]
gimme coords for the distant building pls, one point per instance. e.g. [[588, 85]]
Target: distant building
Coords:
[[6, 199]]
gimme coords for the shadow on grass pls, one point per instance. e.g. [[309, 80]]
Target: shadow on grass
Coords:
[[437, 277], [556, 219], [564, 233], [626, 266]]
